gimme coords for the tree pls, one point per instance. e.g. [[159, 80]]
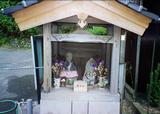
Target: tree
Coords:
[[8, 27], [154, 87]]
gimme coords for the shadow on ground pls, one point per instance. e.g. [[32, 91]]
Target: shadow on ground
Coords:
[[23, 87]]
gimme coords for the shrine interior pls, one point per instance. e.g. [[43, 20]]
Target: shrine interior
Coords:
[[81, 53]]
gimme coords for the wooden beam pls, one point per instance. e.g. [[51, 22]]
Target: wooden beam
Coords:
[[122, 66], [137, 66], [55, 44], [81, 38], [50, 16], [115, 61], [121, 82], [38, 9], [47, 83], [129, 89], [125, 12], [91, 9], [123, 47], [90, 19]]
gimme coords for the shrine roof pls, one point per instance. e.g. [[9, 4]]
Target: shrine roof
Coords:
[[108, 11]]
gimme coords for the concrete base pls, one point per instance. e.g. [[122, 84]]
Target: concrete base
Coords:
[[65, 101]]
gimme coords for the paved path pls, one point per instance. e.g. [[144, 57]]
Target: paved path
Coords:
[[16, 83]]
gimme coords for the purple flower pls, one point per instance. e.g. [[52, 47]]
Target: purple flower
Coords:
[[61, 62], [98, 61], [102, 62], [56, 61], [94, 65]]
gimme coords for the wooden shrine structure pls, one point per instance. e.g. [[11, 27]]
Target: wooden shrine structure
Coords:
[[98, 12]]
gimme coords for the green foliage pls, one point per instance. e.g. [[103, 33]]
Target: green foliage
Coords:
[[154, 87], [7, 3], [8, 27], [66, 28], [97, 30], [69, 28], [3, 41], [7, 24]]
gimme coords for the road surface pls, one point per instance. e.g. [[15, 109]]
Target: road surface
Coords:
[[16, 83]]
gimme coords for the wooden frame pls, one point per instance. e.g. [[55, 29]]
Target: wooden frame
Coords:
[[81, 38], [115, 61], [47, 84]]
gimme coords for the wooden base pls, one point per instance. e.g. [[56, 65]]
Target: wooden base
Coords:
[[65, 101]]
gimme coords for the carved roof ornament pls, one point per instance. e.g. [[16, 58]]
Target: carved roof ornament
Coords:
[[82, 19]]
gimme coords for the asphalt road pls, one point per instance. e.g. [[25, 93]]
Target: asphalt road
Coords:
[[16, 74]]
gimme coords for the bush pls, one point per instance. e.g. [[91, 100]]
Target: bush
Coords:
[[96, 30], [3, 41], [9, 30], [66, 28], [154, 88]]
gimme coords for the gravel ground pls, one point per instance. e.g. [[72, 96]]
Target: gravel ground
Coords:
[[126, 108]]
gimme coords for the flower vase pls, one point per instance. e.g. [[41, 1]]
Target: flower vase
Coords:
[[102, 82], [57, 82]]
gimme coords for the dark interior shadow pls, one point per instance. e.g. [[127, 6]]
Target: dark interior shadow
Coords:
[[23, 87]]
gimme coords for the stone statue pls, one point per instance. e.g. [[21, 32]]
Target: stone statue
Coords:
[[69, 70], [68, 64], [89, 74]]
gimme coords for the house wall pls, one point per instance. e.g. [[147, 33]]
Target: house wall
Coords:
[[148, 60], [130, 58]]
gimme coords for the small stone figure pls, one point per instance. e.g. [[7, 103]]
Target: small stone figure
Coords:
[[89, 74], [68, 64], [69, 70]]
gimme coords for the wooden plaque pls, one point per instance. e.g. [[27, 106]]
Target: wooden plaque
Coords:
[[80, 86]]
